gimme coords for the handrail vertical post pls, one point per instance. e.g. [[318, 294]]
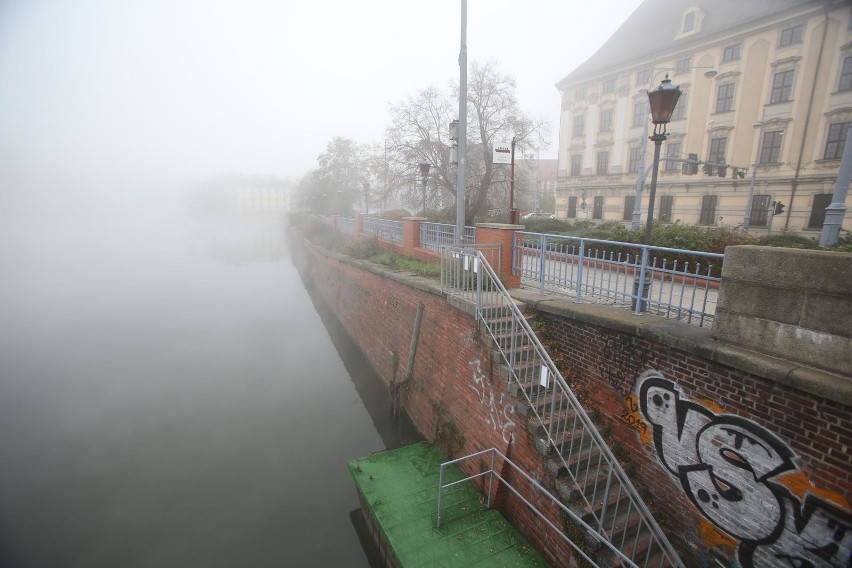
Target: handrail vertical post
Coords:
[[440, 493], [541, 263], [491, 478], [642, 268], [477, 273], [579, 298]]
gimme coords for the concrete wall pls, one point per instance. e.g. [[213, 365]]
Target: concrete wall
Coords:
[[793, 304]]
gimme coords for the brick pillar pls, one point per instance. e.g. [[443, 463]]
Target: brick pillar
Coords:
[[359, 223], [411, 234], [334, 222], [502, 234]]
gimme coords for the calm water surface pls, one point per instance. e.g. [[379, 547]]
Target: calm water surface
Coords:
[[170, 396]]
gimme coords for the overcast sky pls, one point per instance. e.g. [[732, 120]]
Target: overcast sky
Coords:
[[184, 89]]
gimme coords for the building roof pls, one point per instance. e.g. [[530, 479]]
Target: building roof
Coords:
[[653, 28]]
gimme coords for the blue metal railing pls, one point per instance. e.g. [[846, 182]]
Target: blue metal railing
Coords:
[[435, 235], [673, 283], [383, 229]]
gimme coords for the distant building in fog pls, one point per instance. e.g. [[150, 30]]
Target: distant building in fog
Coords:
[[781, 97]]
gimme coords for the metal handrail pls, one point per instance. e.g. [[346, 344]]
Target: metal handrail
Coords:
[[563, 425], [494, 472], [623, 274], [435, 235], [384, 229]]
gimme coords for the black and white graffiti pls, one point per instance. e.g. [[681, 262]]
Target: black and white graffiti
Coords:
[[729, 467]]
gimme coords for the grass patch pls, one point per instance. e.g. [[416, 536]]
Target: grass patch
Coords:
[[406, 264]]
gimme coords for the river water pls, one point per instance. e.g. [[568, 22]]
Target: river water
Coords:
[[171, 396]]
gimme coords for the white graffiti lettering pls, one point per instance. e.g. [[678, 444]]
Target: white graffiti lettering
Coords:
[[729, 467], [499, 410]]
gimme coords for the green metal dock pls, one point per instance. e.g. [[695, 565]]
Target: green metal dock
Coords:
[[398, 490]]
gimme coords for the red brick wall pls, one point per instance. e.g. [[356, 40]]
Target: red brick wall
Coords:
[[799, 507], [454, 398], [808, 439]]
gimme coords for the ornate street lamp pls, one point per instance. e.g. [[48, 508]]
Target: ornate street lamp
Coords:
[[424, 175], [663, 101]]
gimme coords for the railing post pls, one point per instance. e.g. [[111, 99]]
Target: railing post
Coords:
[[638, 290], [477, 273], [490, 479], [579, 297], [359, 224], [440, 493], [542, 255]]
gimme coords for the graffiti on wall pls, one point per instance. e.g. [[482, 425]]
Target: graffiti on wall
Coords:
[[499, 409], [744, 480]]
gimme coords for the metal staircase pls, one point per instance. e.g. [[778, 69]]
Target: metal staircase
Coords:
[[588, 478]]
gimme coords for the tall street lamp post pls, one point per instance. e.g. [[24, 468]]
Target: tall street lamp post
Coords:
[[662, 101], [424, 175]]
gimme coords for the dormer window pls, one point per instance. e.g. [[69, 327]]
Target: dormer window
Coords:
[[688, 22], [691, 22]]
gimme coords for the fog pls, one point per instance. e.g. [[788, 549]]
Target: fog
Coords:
[[169, 393]]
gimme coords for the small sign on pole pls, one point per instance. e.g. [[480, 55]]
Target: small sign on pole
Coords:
[[545, 373], [502, 153]]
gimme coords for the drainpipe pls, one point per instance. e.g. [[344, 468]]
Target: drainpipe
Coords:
[[825, 7]]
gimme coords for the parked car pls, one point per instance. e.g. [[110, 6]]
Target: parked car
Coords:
[[539, 215]]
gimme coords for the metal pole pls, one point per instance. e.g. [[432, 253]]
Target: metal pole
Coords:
[[424, 196], [462, 148], [657, 138], [513, 218], [747, 216], [835, 212]]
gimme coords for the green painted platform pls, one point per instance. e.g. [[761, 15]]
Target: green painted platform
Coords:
[[399, 495]]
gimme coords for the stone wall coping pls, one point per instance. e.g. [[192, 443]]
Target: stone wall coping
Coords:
[[414, 219], [697, 341]]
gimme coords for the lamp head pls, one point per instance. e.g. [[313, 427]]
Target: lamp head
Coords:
[[663, 101], [424, 169]]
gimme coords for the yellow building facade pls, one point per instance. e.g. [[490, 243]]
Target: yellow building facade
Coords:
[[767, 101]]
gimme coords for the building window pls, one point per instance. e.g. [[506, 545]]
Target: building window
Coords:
[[846, 75], [629, 204], [576, 165], [579, 124], [792, 35], [821, 201], [603, 163], [718, 148], [725, 97], [688, 22], [836, 140], [732, 52], [606, 120], [643, 77], [770, 147], [782, 86], [683, 65], [759, 210], [665, 214], [672, 151], [708, 210], [609, 86], [597, 207], [572, 207], [636, 162], [680, 110], [580, 94], [640, 112]]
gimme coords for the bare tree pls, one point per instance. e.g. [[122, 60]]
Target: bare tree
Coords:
[[419, 131]]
